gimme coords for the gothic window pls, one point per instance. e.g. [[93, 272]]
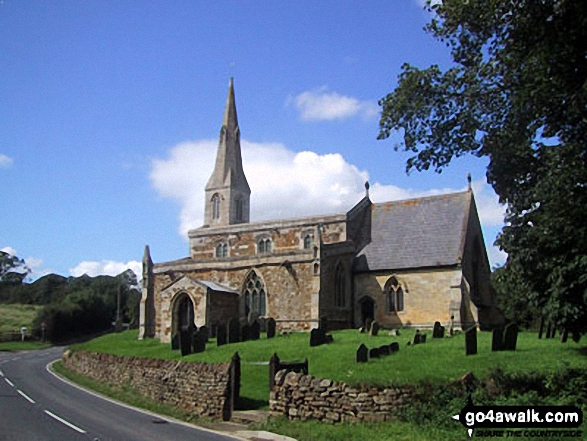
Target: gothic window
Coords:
[[239, 210], [340, 286], [216, 206], [222, 250], [308, 239], [255, 295], [264, 245], [395, 295]]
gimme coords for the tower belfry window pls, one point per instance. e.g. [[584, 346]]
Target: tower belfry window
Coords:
[[215, 206]]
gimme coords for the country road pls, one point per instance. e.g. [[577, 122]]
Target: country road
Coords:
[[35, 405]]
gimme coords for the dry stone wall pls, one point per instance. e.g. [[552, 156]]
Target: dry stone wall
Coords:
[[303, 397], [203, 389]]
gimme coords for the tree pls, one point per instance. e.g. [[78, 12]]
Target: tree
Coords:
[[12, 269], [516, 94]]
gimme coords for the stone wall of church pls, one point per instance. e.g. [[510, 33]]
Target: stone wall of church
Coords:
[[429, 296]]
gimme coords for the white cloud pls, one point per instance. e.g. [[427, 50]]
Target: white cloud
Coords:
[[286, 184], [5, 161], [105, 267], [9, 250], [323, 105]]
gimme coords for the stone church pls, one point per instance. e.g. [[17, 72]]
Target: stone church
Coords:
[[404, 263]]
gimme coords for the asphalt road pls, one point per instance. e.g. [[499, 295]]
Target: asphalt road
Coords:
[[35, 405]]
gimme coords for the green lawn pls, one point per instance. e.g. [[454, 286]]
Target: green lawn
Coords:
[[437, 360], [15, 316]]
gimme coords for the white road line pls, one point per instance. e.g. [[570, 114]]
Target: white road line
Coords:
[[67, 423], [8, 381], [25, 396]]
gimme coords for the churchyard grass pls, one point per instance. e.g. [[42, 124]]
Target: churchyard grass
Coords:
[[12, 318], [438, 360]]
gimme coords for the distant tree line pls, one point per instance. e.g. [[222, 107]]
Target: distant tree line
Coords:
[[72, 306]]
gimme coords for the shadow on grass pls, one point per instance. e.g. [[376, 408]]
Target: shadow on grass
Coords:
[[582, 351], [245, 403]]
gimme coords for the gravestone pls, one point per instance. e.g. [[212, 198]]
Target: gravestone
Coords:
[[436, 330], [245, 331], [362, 354], [323, 324], [233, 330], [255, 330], [374, 353], [185, 342], [175, 342], [317, 337], [394, 347], [374, 328], [271, 327], [510, 338], [497, 340], [205, 332], [263, 324], [384, 350], [471, 341], [423, 338], [417, 337], [199, 340], [221, 335], [368, 322]]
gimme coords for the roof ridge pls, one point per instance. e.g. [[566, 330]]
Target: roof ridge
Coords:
[[435, 196]]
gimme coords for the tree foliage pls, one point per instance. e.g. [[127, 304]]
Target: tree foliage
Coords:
[[12, 269], [516, 94]]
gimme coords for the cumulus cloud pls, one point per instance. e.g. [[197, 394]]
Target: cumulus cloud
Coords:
[[105, 267], [9, 250], [324, 105], [5, 161]]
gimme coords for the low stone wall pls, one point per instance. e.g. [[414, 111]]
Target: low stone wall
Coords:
[[203, 389], [303, 397]]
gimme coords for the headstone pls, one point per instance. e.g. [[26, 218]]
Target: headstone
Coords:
[[175, 342], [317, 337], [384, 350], [436, 330], [362, 354], [510, 337], [271, 327], [199, 340], [221, 335], [374, 353], [255, 330], [263, 324], [471, 341], [205, 332], [423, 338], [374, 328], [245, 331], [233, 330], [185, 342], [417, 337], [394, 347], [497, 340]]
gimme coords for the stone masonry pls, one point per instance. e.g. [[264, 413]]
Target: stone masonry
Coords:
[[303, 397]]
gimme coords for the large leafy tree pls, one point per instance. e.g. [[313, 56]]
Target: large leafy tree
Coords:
[[13, 270], [516, 94]]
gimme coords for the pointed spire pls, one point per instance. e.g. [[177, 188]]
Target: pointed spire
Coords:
[[230, 120], [147, 256]]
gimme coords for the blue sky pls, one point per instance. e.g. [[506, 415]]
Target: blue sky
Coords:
[[110, 113]]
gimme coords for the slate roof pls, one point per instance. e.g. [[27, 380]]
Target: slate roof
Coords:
[[416, 233]]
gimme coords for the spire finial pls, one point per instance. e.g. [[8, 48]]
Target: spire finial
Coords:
[[367, 186], [469, 181]]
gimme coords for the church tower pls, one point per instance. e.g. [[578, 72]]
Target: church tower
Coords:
[[227, 191]]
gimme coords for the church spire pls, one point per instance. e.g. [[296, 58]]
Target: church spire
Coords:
[[227, 191]]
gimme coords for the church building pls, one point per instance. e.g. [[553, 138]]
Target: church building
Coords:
[[403, 263]]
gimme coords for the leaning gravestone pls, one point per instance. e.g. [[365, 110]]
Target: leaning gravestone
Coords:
[[233, 330], [175, 342], [510, 338], [471, 341], [271, 325], [362, 354], [199, 341], [374, 353], [185, 342], [374, 328], [394, 347], [255, 330], [221, 336], [497, 340]]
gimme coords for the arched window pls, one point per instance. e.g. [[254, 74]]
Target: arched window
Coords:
[[255, 295], [340, 286], [216, 206], [395, 295], [264, 245], [308, 239], [239, 209], [222, 250]]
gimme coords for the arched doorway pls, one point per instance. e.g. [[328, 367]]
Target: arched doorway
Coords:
[[183, 314], [367, 310]]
